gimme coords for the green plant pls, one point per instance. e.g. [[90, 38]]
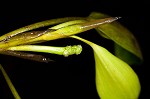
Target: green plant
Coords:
[[110, 67]]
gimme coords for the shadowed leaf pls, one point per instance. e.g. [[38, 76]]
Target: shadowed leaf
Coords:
[[127, 56], [120, 35]]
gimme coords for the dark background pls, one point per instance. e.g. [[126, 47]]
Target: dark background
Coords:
[[74, 76]]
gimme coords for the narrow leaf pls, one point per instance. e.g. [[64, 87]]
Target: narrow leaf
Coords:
[[24, 55], [22, 38], [37, 25]]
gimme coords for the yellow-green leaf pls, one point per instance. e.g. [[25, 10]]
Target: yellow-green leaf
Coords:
[[115, 79]]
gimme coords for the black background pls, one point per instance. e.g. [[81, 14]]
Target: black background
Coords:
[[71, 77]]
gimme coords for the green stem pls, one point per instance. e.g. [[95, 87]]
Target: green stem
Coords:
[[84, 40], [66, 51], [11, 86]]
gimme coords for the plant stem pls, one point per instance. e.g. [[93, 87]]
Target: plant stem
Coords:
[[11, 86], [66, 51]]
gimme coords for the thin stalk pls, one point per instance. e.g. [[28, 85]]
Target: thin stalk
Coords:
[[11, 86], [30, 56], [84, 40], [66, 51]]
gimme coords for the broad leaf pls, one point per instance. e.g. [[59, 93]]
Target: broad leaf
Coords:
[[120, 35], [115, 79]]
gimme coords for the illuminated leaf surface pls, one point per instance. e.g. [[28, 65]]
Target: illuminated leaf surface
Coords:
[[115, 79], [37, 25]]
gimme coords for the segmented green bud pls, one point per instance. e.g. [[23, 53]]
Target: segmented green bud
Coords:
[[70, 50]]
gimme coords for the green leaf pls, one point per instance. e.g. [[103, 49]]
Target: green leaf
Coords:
[[127, 56], [115, 79], [120, 35], [37, 25]]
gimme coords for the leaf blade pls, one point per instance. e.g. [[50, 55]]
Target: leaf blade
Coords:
[[119, 34]]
